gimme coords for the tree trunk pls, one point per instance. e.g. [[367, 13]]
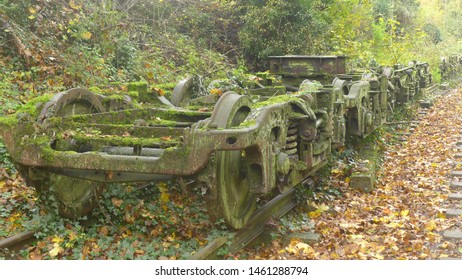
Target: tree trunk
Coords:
[[19, 46]]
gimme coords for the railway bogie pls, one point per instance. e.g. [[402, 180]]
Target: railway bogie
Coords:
[[266, 136]]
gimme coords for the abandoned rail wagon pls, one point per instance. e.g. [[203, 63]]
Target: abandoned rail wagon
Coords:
[[238, 145]]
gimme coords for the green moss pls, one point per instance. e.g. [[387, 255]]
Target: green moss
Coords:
[[162, 122], [8, 122], [43, 142], [197, 108], [95, 89], [103, 140], [32, 107], [248, 123], [166, 86], [275, 100], [133, 94], [116, 97], [140, 87]]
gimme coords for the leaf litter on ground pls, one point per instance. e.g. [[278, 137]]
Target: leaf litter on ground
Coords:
[[404, 217]]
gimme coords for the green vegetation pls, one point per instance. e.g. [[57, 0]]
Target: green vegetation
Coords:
[[145, 47], [63, 44]]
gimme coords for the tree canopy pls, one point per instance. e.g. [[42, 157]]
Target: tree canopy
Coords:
[[65, 43]]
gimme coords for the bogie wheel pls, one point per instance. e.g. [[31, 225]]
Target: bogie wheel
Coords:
[[183, 92], [232, 198], [76, 196]]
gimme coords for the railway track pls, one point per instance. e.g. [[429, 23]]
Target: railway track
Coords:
[[454, 206], [283, 203], [231, 244], [11, 245]]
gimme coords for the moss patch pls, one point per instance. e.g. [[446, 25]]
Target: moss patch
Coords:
[[275, 100]]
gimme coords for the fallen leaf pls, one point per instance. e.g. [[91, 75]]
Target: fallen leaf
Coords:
[[75, 6], [216, 91], [56, 250], [404, 213], [159, 91], [57, 239], [86, 35], [430, 226], [117, 202]]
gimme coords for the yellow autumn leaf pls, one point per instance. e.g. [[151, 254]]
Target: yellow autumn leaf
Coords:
[[2, 184], [75, 6], [129, 218], [319, 210], [299, 247], [164, 197], [441, 215], [216, 91], [404, 213], [159, 91], [126, 233], [162, 186], [171, 238], [72, 236], [430, 226], [86, 35], [56, 250], [57, 239], [32, 10]]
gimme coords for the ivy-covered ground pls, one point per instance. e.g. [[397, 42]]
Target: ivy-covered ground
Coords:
[[152, 221]]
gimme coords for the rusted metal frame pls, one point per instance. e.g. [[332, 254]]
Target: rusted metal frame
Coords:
[[104, 142], [136, 131], [180, 161], [110, 176], [358, 90], [130, 115]]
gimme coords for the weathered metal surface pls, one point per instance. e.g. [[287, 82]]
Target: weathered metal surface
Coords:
[[274, 209], [450, 67], [300, 67], [240, 145], [16, 239], [363, 174]]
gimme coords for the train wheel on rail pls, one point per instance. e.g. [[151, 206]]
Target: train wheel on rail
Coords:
[[76, 196], [232, 198]]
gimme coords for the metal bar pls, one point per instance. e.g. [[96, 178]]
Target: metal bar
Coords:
[[13, 240], [129, 151], [274, 209]]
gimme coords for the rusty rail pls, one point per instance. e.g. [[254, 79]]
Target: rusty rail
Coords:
[[16, 240], [274, 209]]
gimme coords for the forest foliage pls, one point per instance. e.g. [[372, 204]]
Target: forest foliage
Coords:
[[48, 46]]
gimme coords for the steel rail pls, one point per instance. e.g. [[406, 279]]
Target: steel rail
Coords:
[[231, 244]]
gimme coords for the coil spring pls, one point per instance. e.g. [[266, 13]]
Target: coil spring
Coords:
[[291, 148]]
